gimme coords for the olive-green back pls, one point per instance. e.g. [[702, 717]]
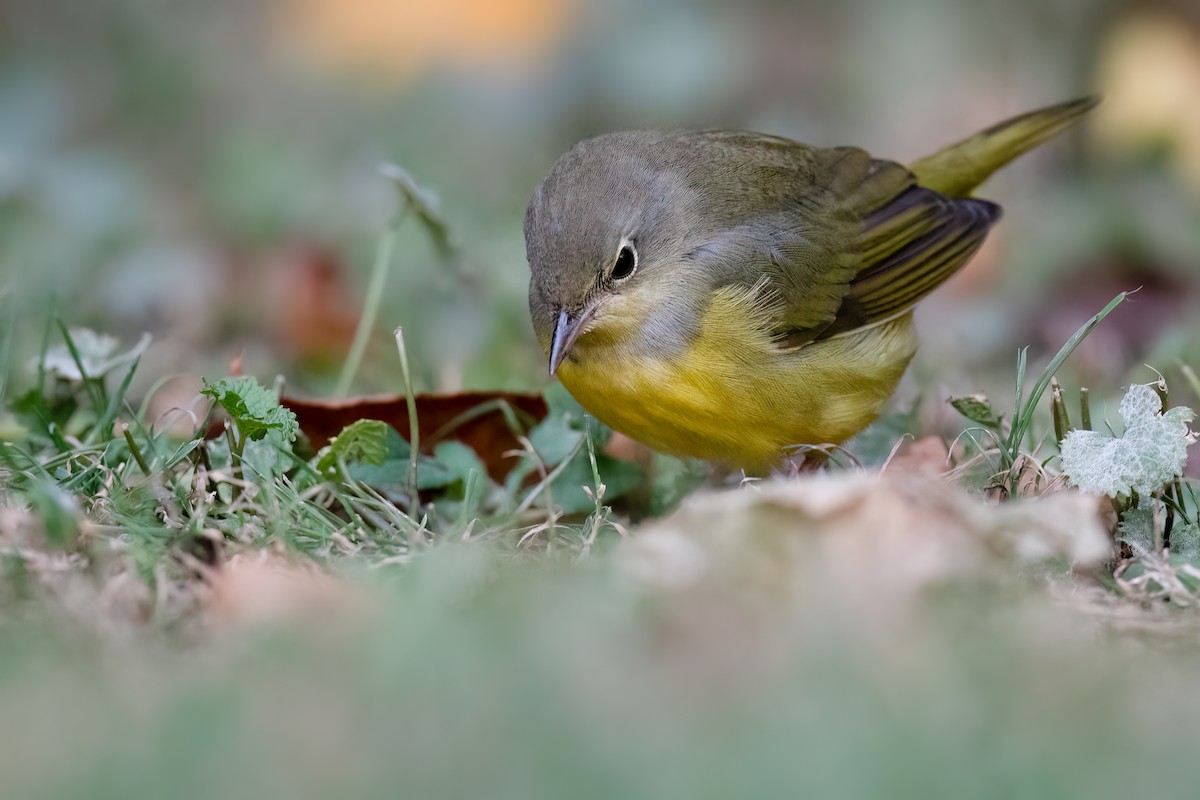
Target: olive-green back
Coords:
[[861, 240]]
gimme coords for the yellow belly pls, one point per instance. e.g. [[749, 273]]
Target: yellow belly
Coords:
[[734, 398]]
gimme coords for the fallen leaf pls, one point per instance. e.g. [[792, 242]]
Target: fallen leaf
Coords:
[[473, 418], [927, 454], [870, 535]]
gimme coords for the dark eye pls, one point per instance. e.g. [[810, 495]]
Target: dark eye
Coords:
[[626, 263]]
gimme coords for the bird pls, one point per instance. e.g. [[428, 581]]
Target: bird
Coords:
[[734, 296]]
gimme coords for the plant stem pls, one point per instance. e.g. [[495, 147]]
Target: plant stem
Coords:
[[134, 449], [414, 433], [1189, 375], [1058, 412], [366, 322], [1024, 414]]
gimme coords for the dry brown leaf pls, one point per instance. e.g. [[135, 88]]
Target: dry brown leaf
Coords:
[[439, 416]]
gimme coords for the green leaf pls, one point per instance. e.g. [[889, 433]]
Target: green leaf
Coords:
[[1023, 416], [1149, 454], [674, 479], [559, 402], [363, 441], [556, 437], [459, 459], [978, 409], [254, 409], [391, 474]]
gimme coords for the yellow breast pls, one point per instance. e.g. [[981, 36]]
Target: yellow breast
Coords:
[[732, 396]]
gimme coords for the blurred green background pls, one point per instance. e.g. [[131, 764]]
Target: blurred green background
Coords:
[[207, 171]]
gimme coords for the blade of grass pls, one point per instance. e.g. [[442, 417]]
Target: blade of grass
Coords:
[[44, 349], [135, 450], [6, 341], [599, 514], [549, 479], [512, 419], [414, 433], [375, 287], [110, 412], [1189, 375], [1024, 416], [88, 384]]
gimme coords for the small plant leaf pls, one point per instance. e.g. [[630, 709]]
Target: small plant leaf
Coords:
[[1185, 540], [459, 459], [1150, 453], [253, 408], [391, 474], [556, 437], [364, 441], [1136, 528], [978, 409], [487, 422]]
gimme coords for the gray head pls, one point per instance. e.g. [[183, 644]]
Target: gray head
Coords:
[[602, 233]]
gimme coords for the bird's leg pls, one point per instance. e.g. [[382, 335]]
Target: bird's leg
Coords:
[[805, 462]]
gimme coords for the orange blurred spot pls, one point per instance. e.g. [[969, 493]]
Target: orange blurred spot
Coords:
[[312, 311], [403, 37], [1150, 79]]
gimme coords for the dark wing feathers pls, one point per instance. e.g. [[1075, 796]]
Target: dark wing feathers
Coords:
[[846, 241], [910, 239], [900, 266]]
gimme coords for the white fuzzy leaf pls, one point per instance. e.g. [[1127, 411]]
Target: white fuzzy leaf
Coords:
[[1137, 528], [1151, 452], [97, 354]]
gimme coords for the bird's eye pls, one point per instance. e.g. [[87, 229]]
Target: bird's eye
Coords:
[[626, 263]]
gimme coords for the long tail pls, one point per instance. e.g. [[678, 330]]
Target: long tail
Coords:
[[959, 168]]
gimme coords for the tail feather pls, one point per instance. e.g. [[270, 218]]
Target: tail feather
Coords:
[[959, 168]]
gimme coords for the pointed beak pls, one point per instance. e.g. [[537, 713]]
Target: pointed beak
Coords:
[[567, 329]]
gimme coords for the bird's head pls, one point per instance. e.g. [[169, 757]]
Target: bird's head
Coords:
[[605, 234]]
